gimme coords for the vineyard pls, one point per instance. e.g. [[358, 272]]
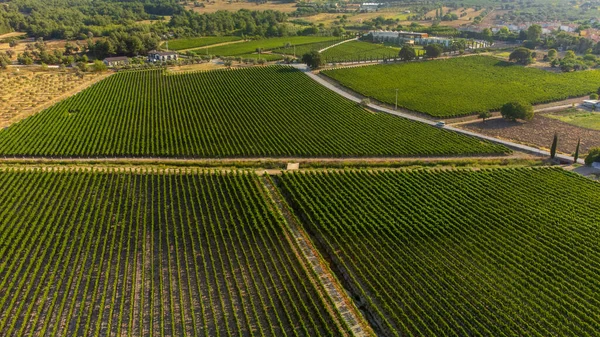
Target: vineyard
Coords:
[[196, 42], [359, 51], [250, 47], [259, 111], [305, 48], [492, 252], [464, 85], [150, 254]]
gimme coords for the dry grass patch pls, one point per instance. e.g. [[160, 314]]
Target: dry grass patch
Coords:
[[213, 6], [29, 91]]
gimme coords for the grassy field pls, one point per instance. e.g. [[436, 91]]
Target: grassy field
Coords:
[[265, 44], [150, 254], [494, 252], [360, 51], [306, 48], [462, 86], [196, 42], [253, 112], [584, 119]]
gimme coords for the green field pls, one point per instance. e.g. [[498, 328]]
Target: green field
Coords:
[[465, 85], [355, 51], [493, 252], [305, 48], [149, 254], [268, 57], [584, 119], [265, 44], [195, 42], [252, 112]]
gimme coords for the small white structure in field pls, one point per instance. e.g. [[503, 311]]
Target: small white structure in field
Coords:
[[293, 166]]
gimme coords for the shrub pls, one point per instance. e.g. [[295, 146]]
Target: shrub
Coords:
[[593, 156], [594, 96], [517, 110]]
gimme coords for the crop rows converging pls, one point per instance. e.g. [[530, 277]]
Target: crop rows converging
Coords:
[[494, 252], [463, 85], [150, 254], [260, 111]]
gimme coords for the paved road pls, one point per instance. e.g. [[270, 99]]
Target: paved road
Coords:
[[353, 98]]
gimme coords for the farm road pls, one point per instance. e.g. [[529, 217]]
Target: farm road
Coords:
[[353, 98]]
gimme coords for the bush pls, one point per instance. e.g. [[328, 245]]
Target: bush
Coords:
[[593, 156], [594, 96], [517, 110]]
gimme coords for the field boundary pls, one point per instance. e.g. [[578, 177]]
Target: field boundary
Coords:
[[343, 305], [55, 100]]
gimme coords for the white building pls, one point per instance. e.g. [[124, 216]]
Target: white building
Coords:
[[161, 56], [370, 6]]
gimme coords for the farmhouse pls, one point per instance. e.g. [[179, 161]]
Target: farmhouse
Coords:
[[116, 61], [161, 56]]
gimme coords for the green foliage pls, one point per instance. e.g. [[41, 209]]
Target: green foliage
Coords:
[[593, 156], [552, 53], [464, 85], [554, 146], [576, 155], [484, 115], [195, 42], [99, 66], [312, 59], [164, 241], [517, 110], [594, 96], [407, 53], [433, 50], [521, 55], [459, 252], [254, 112]]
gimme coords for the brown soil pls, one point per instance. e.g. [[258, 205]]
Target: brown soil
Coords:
[[539, 133]]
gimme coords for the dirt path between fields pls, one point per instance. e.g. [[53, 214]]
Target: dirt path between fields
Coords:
[[343, 304]]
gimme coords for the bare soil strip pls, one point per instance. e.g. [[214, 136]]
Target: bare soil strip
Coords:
[[343, 304]]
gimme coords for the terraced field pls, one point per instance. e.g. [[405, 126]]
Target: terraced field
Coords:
[[492, 252], [464, 85], [149, 254], [261, 111]]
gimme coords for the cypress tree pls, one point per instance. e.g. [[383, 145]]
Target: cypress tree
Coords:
[[553, 147], [576, 156]]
